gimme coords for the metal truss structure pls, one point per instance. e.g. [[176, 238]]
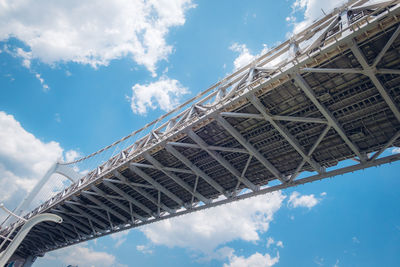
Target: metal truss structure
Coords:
[[330, 93]]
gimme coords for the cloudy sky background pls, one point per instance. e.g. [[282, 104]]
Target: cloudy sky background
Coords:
[[76, 76]]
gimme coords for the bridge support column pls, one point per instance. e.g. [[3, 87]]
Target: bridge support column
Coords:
[[28, 225]]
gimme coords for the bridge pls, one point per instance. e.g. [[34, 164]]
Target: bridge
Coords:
[[328, 94]]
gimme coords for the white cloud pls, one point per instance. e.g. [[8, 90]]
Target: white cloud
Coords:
[[145, 249], [307, 201], [396, 150], [44, 85], [270, 242], [319, 261], [57, 117], [336, 264], [93, 32], [72, 155], [120, 237], [355, 240], [205, 230], [164, 93], [245, 56], [255, 260], [26, 61], [312, 10], [80, 255], [220, 254], [23, 161], [323, 194], [26, 57]]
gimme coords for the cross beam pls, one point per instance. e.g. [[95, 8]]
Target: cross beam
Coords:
[[157, 185], [196, 169], [117, 203], [217, 148], [370, 72], [252, 150], [221, 160], [87, 215], [128, 198], [105, 207], [285, 133], [327, 114], [142, 192], [175, 178]]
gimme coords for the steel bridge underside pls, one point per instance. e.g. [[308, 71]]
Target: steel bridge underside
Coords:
[[309, 119]]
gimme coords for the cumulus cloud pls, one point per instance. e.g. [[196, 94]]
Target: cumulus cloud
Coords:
[[220, 254], [120, 238], [164, 93], [245, 56], [145, 249], [41, 80], [205, 230], [396, 150], [80, 255], [271, 241], [93, 32], [26, 57], [23, 161], [306, 201], [255, 260], [311, 10]]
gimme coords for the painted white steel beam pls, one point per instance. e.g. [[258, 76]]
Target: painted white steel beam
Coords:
[[196, 169], [274, 117], [252, 150], [221, 160], [142, 192], [386, 47], [157, 185], [369, 70], [117, 203], [128, 197], [386, 146], [327, 114], [142, 165], [105, 207], [330, 70], [175, 178], [285, 133], [312, 149], [217, 148], [85, 214], [12, 247]]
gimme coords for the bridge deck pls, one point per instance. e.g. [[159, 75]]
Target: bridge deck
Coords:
[[328, 106]]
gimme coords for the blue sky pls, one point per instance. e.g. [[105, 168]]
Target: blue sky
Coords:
[[75, 77]]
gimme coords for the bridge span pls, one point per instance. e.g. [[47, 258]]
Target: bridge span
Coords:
[[329, 93]]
